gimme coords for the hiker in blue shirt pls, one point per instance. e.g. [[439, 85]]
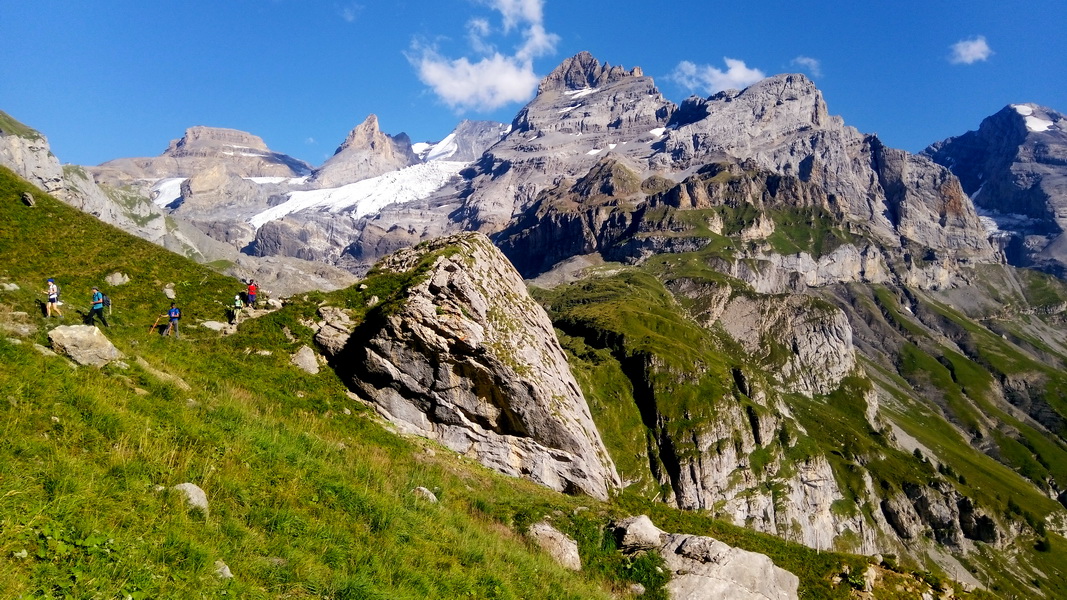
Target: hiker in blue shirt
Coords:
[[174, 314], [97, 309]]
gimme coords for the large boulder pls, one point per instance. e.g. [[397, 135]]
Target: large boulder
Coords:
[[84, 344], [703, 568], [468, 358]]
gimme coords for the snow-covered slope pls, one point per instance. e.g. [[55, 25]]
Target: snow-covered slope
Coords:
[[369, 196]]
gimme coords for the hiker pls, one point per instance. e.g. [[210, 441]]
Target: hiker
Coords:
[[236, 310], [173, 314], [97, 309], [53, 299], [252, 289]]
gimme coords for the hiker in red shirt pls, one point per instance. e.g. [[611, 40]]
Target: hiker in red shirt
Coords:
[[252, 289]]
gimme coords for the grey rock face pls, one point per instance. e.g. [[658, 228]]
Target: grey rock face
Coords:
[[782, 124], [557, 544], [583, 109], [469, 359], [704, 568], [28, 154], [467, 142], [1014, 166], [366, 152], [84, 344], [305, 359]]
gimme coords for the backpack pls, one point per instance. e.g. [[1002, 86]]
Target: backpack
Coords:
[[107, 300]]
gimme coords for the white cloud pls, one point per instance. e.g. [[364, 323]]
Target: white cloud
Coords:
[[966, 52], [812, 65], [489, 79], [486, 84], [705, 77], [350, 12]]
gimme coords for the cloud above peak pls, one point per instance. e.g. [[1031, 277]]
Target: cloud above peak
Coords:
[[812, 65], [490, 79], [711, 80], [966, 52]]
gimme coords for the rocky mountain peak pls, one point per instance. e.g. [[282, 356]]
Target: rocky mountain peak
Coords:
[[366, 152], [200, 141], [584, 71], [366, 135], [1013, 167]]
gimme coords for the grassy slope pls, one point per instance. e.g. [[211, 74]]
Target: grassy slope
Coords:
[[630, 313], [306, 500]]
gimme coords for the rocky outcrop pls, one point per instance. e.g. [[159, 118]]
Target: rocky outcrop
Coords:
[[703, 568], [467, 358], [365, 153], [26, 152], [466, 143]]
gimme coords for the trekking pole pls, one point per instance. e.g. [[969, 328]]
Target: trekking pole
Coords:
[[153, 328]]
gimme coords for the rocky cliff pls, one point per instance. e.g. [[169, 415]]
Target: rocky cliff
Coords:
[[467, 358]]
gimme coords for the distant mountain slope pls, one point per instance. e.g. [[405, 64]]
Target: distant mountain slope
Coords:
[[1014, 166]]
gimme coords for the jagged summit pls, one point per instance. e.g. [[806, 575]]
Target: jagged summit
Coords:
[[368, 136], [584, 71], [366, 152]]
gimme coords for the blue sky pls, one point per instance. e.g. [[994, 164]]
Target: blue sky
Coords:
[[120, 78]]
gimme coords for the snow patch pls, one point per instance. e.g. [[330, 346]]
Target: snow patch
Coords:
[[580, 93], [658, 131], [595, 151], [262, 180], [421, 149], [568, 109], [1023, 109], [166, 191], [369, 196], [443, 149], [1037, 125]]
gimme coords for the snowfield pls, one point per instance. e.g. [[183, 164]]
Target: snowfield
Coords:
[[370, 195]]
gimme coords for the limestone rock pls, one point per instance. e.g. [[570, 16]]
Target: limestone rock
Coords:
[[425, 494], [84, 344], [469, 359], [705, 568], [116, 279], [194, 496], [305, 359], [557, 544], [222, 571], [201, 147], [638, 533]]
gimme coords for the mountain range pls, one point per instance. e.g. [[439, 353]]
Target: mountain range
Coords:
[[762, 313]]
